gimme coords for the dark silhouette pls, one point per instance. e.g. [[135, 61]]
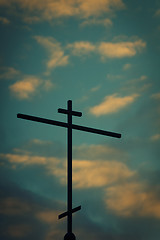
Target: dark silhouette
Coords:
[[69, 235]]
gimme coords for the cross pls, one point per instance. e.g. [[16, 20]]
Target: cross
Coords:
[[69, 235]]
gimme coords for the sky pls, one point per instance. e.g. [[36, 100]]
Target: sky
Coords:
[[104, 56]]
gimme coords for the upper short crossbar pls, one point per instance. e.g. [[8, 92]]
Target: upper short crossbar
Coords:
[[73, 113]]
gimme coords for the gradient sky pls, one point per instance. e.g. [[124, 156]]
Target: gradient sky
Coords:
[[104, 56]]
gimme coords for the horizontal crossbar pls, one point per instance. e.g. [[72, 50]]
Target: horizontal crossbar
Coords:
[[62, 124], [74, 113], [66, 213]]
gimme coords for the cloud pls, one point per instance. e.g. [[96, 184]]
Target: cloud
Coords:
[[127, 66], [120, 49], [89, 174], [64, 8], [132, 199], [25, 214], [155, 137], [106, 22], [112, 104], [112, 77], [13, 206], [57, 57], [39, 147], [31, 19], [97, 151], [26, 159], [107, 49], [156, 95], [29, 86], [95, 89], [26, 88], [48, 216], [9, 73], [93, 169], [138, 85], [4, 20], [81, 48], [157, 13], [19, 230]]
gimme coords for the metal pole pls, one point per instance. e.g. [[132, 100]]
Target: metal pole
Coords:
[[69, 166]]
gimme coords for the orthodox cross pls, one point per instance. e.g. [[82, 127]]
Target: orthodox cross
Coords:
[[69, 235]]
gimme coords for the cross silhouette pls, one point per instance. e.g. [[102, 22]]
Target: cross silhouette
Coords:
[[69, 235]]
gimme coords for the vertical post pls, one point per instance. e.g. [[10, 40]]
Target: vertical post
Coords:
[[69, 227]]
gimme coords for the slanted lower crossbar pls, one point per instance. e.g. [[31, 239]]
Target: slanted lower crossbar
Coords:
[[62, 215]]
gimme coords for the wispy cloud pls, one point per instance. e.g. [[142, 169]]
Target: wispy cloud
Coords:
[[26, 88], [48, 216], [4, 20], [87, 172], [64, 8], [113, 77], [156, 96], [81, 48], [25, 213], [56, 53], [106, 22], [120, 49], [9, 73], [155, 137], [19, 230], [95, 89], [112, 104], [90, 174], [127, 66], [97, 151], [157, 13], [27, 159], [29, 86], [108, 49], [138, 85], [133, 199], [13, 206]]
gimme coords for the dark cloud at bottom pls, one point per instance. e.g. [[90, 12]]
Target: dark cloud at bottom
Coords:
[[26, 215]]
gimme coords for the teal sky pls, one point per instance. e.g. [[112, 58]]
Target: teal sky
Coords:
[[104, 56]]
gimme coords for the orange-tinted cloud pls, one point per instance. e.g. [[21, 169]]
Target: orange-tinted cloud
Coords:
[[155, 137], [120, 49], [112, 104], [56, 53], [97, 151], [26, 88], [19, 231], [48, 216], [106, 22], [107, 49], [13, 206], [89, 174], [64, 8], [132, 199], [9, 73], [81, 48], [4, 20], [27, 159]]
